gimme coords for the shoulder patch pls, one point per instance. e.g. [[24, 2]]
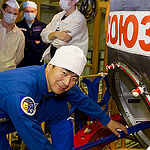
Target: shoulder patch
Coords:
[[28, 106]]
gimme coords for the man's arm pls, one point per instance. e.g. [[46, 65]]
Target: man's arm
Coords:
[[20, 50], [48, 35], [61, 35], [88, 106], [51, 27], [77, 30]]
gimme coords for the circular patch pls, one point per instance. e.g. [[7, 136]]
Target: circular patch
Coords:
[[28, 106]]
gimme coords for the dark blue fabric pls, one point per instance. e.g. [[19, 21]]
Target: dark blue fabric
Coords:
[[33, 52], [63, 131], [93, 90], [4, 145], [93, 87]]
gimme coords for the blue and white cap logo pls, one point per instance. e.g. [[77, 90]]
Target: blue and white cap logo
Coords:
[[28, 106]]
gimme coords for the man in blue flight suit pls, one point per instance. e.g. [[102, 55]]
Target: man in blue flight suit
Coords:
[[32, 27], [23, 107]]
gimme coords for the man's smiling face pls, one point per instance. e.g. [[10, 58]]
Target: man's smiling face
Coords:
[[59, 79]]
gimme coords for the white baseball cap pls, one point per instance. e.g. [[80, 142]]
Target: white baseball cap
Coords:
[[29, 4], [71, 58], [77, 1], [13, 4]]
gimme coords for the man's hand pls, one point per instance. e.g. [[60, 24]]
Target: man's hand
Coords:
[[63, 35], [37, 42], [114, 126]]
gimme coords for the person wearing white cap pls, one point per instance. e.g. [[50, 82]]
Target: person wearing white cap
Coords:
[[11, 37], [68, 27], [23, 106], [32, 27]]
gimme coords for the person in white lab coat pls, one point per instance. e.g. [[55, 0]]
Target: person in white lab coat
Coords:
[[68, 27]]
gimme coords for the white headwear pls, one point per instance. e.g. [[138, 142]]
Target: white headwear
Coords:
[[71, 58], [77, 1], [29, 4], [13, 4]]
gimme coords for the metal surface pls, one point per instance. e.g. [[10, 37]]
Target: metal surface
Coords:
[[134, 110]]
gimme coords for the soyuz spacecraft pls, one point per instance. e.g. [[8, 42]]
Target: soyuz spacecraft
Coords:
[[128, 45]]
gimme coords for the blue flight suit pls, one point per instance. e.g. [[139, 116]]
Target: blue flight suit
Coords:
[[33, 52], [27, 85]]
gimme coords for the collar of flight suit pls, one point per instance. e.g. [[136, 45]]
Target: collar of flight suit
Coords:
[[43, 83]]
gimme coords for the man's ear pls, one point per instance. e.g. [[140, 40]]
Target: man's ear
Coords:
[[49, 67]]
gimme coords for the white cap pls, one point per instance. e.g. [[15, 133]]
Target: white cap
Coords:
[[71, 58], [13, 4], [29, 4], [77, 1]]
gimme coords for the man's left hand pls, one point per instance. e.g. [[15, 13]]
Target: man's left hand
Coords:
[[114, 126]]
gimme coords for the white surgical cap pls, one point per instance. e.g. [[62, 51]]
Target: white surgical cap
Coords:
[[71, 58], [29, 4], [13, 4]]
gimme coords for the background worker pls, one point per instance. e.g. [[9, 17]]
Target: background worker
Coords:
[[32, 27], [11, 37], [66, 28], [23, 107]]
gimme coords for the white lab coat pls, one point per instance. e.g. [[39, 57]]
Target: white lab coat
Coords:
[[76, 23]]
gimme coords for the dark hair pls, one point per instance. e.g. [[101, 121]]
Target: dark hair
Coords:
[[4, 6], [63, 68]]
